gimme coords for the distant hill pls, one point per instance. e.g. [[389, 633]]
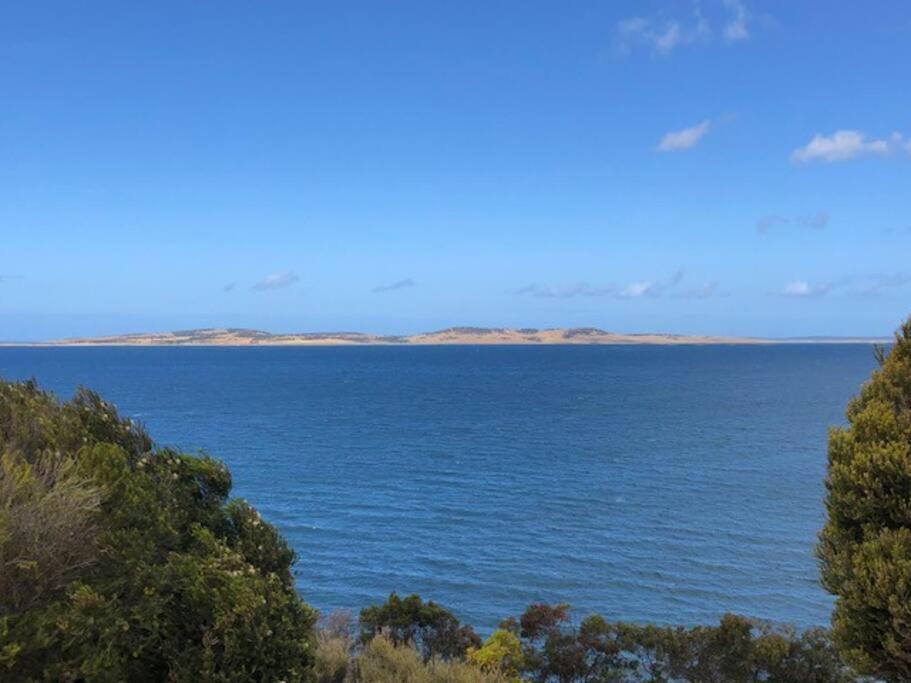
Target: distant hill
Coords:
[[231, 336], [452, 335]]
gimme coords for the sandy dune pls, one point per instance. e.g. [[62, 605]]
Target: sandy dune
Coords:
[[453, 335]]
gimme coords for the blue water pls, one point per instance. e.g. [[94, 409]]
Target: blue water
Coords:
[[661, 484]]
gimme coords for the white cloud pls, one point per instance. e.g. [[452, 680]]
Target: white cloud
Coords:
[[803, 289], [736, 29], [816, 221], [633, 290], [636, 289], [658, 35], [276, 281], [650, 288], [563, 291], [661, 34], [870, 284], [687, 138], [798, 288], [843, 145], [668, 39], [638, 31]]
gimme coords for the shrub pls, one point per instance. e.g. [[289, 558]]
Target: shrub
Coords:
[[335, 649], [865, 546], [501, 652], [122, 561], [431, 629], [737, 650], [48, 532], [383, 662]]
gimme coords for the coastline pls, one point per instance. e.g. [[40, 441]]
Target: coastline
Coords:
[[457, 336]]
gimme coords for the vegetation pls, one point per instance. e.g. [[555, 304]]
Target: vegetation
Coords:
[[432, 630], [121, 561], [544, 645], [865, 546]]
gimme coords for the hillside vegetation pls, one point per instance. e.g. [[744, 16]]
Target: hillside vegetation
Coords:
[[120, 561]]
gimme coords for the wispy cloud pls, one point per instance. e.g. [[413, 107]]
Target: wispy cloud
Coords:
[[661, 35], [844, 145], [651, 288], [394, 286], [817, 221], [658, 36], [881, 283], [641, 288], [703, 291], [802, 289], [563, 291], [276, 281], [736, 29], [871, 284], [633, 290], [229, 287], [636, 289], [766, 223], [687, 138]]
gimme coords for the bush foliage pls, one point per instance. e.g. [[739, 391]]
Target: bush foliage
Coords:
[[544, 645], [432, 630], [865, 546], [122, 561]]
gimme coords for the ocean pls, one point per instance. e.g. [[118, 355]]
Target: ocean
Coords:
[[664, 484]]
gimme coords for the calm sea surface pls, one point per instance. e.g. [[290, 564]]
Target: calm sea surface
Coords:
[[664, 484]]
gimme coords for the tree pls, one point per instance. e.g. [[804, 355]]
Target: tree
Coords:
[[427, 626], [502, 652], [554, 649], [737, 650], [123, 561], [865, 546]]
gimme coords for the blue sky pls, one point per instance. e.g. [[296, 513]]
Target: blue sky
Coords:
[[728, 167]]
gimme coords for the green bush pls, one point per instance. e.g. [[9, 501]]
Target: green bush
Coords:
[[737, 650], [383, 662], [865, 547], [431, 629], [122, 561], [501, 652], [544, 645]]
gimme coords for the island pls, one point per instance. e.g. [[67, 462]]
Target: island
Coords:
[[231, 336]]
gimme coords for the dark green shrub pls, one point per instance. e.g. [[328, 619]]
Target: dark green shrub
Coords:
[[433, 630], [865, 547], [155, 574]]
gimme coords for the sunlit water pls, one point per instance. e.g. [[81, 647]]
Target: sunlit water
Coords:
[[663, 484]]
